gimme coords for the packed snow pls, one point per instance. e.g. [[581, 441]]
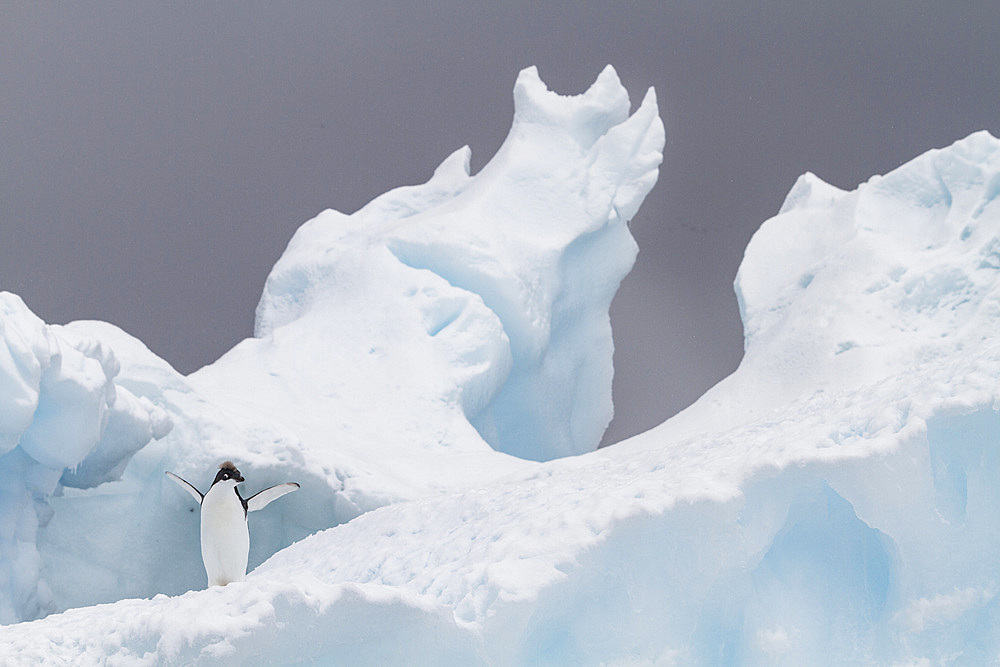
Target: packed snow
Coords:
[[65, 423], [435, 371]]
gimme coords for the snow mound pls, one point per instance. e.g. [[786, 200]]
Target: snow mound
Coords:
[[65, 423]]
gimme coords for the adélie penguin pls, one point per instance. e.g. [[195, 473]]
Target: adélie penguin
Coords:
[[225, 538]]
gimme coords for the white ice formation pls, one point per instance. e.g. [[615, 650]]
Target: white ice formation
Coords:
[[64, 422], [420, 365]]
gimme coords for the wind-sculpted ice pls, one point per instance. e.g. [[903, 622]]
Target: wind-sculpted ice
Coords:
[[834, 501], [510, 272], [844, 289], [65, 423]]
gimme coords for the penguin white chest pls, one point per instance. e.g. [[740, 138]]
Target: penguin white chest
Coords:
[[225, 538]]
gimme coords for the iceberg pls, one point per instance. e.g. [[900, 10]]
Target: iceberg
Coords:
[[435, 371]]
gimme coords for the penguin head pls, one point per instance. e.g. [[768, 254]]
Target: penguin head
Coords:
[[228, 473]]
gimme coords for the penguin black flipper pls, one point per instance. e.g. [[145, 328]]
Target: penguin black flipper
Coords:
[[260, 500], [243, 501], [187, 486]]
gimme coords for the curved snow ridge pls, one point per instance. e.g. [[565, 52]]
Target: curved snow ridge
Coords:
[[252, 622], [785, 538], [308, 264], [464, 569], [719, 539]]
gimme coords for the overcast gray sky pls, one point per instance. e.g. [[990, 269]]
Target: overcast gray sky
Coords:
[[156, 157]]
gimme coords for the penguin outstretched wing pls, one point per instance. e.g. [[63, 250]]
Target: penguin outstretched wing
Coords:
[[187, 486], [260, 500]]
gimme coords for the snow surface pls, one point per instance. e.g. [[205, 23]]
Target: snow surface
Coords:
[[422, 366], [65, 423]]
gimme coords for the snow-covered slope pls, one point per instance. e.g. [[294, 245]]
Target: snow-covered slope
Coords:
[[834, 501]]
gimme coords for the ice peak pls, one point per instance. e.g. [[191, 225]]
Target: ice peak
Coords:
[[521, 262], [870, 281], [585, 117], [810, 191]]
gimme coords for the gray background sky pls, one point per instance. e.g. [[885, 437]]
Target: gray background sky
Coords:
[[156, 157]]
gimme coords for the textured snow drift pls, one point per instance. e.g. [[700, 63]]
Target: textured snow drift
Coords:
[[834, 501], [65, 422]]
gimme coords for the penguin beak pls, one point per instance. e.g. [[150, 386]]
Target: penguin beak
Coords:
[[239, 479]]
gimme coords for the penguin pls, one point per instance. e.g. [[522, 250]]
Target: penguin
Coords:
[[225, 537]]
